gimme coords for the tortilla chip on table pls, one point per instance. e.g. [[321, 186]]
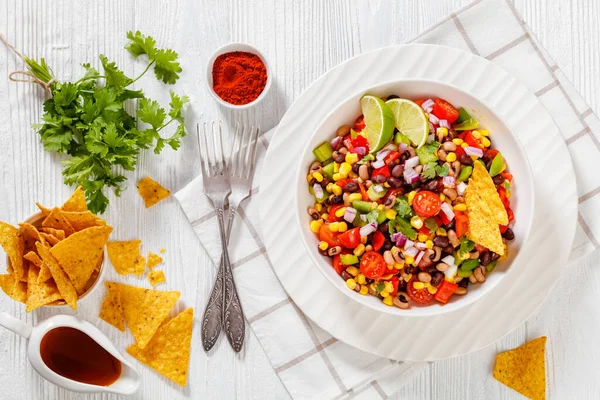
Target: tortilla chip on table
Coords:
[[13, 244], [151, 191], [126, 257], [112, 308]]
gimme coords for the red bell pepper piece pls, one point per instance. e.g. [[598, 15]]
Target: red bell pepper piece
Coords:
[[360, 141], [363, 192], [343, 182], [394, 155], [502, 194], [348, 143], [461, 224], [419, 102], [444, 110], [378, 240], [385, 171], [394, 281], [507, 176], [503, 228], [445, 290], [511, 215], [359, 124], [468, 137], [350, 239], [332, 210], [459, 151], [425, 230]]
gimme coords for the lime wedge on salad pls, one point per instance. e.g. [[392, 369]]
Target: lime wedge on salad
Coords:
[[379, 121], [410, 120]]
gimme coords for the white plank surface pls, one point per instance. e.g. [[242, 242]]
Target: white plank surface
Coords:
[[302, 40]]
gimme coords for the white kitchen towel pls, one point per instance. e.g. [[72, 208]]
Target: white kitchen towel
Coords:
[[489, 28]]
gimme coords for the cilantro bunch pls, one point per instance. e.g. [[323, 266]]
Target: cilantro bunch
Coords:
[[90, 120]]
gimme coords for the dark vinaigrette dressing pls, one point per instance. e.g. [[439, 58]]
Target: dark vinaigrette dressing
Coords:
[[76, 356]]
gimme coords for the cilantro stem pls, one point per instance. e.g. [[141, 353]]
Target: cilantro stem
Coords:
[[143, 73], [90, 77], [165, 125]]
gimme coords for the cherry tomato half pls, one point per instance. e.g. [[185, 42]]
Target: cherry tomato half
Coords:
[[427, 204], [372, 265], [421, 296], [337, 264], [359, 124], [444, 110], [326, 235], [350, 239]]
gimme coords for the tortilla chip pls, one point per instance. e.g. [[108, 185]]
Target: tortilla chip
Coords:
[[57, 220], [12, 242], [15, 289], [45, 211], [524, 369], [486, 191], [39, 294], [34, 258], [76, 202], [81, 220], [155, 277], [80, 253], [153, 260], [57, 233], [112, 310], [151, 191], [32, 231], [145, 310], [65, 287], [50, 239], [168, 352], [45, 273], [126, 258]]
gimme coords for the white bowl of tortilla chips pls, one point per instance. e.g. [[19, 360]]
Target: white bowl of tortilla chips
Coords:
[[56, 257]]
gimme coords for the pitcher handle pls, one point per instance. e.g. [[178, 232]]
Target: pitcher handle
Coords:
[[16, 325]]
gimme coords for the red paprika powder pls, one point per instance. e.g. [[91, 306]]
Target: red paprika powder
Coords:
[[239, 77]]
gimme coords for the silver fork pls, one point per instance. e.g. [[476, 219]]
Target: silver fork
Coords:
[[216, 187]]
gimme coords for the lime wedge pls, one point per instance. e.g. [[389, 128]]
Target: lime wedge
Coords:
[[410, 120], [379, 121]]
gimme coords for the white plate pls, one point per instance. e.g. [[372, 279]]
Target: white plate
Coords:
[[472, 327]]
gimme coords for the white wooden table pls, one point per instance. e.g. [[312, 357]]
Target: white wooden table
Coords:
[[302, 40]]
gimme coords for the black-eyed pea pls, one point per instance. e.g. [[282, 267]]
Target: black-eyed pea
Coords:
[[333, 251], [401, 300], [389, 258], [461, 291], [472, 279], [343, 130], [424, 277], [479, 274], [442, 267]]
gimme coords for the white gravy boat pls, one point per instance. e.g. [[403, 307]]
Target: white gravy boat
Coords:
[[127, 384]]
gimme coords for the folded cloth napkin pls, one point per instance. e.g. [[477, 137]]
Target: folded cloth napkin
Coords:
[[490, 28]]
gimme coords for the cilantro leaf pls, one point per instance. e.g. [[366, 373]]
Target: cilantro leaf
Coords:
[[140, 44], [429, 170], [166, 66], [372, 216], [442, 170], [151, 112], [428, 152], [403, 209], [431, 224], [379, 287], [114, 76], [466, 246], [403, 226], [176, 104]]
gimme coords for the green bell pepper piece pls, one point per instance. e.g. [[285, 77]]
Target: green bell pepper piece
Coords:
[[348, 259], [323, 152], [463, 274], [467, 125], [463, 115], [361, 206], [465, 173], [328, 170], [373, 195], [469, 265], [490, 267], [497, 165], [400, 138]]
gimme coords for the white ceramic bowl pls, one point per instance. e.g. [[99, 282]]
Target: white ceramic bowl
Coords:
[[522, 200], [227, 49], [37, 218]]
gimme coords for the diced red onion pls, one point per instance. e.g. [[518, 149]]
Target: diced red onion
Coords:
[[460, 188], [363, 217], [397, 237], [391, 147], [448, 260], [420, 246], [378, 164], [419, 257], [400, 242], [474, 151], [336, 142], [431, 128], [318, 191], [412, 162], [408, 244], [411, 252], [368, 229], [378, 188], [361, 151], [444, 123], [447, 210], [402, 147], [430, 138], [382, 154], [427, 105], [449, 181], [350, 214], [433, 119], [410, 176]]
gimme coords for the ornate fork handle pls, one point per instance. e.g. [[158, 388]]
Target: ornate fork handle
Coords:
[[233, 316], [213, 313]]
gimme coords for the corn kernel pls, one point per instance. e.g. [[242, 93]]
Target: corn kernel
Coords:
[[432, 289], [484, 132], [441, 232], [318, 176], [460, 207], [359, 250], [337, 190], [388, 301], [464, 144], [354, 197], [457, 141], [345, 168], [323, 245], [351, 158], [351, 283], [309, 177], [374, 205], [411, 197], [399, 265], [442, 131], [340, 212], [442, 196], [476, 134], [360, 278], [352, 270], [408, 277], [315, 226], [429, 244], [422, 237], [336, 167], [388, 286], [337, 176], [363, 239], [390, 214], [416, 222], [418, 285], [386, 185], [451, 157], [362, 133], [409, 260], [352, 175], [380, 207], [384, 293], [364, 290], [390, 267], [318, 207], [329, 187], [333, 227], [387, 277], [486, 142], [325, 217], [342, 227]]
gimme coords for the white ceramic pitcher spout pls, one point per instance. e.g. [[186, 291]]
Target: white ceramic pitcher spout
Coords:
[[127, 384]]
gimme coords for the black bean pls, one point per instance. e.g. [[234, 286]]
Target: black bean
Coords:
[[509, 234], [485, 258], [448, 249], [312, 182], [441, 241], [387, 245], [431, 185], [412, 269], [379, 178], [383, 228], [345, 275], [495, 256], [436, 278], [355, 168], [498, 179], [450, 225], [392, 96], [396, 182], [350, 187], [338, 157], [431, 270], [397, 171], [393, 163], [487, 157], [325, 181], [464, 283], [333, 199], [401, 285], [465, 159]]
